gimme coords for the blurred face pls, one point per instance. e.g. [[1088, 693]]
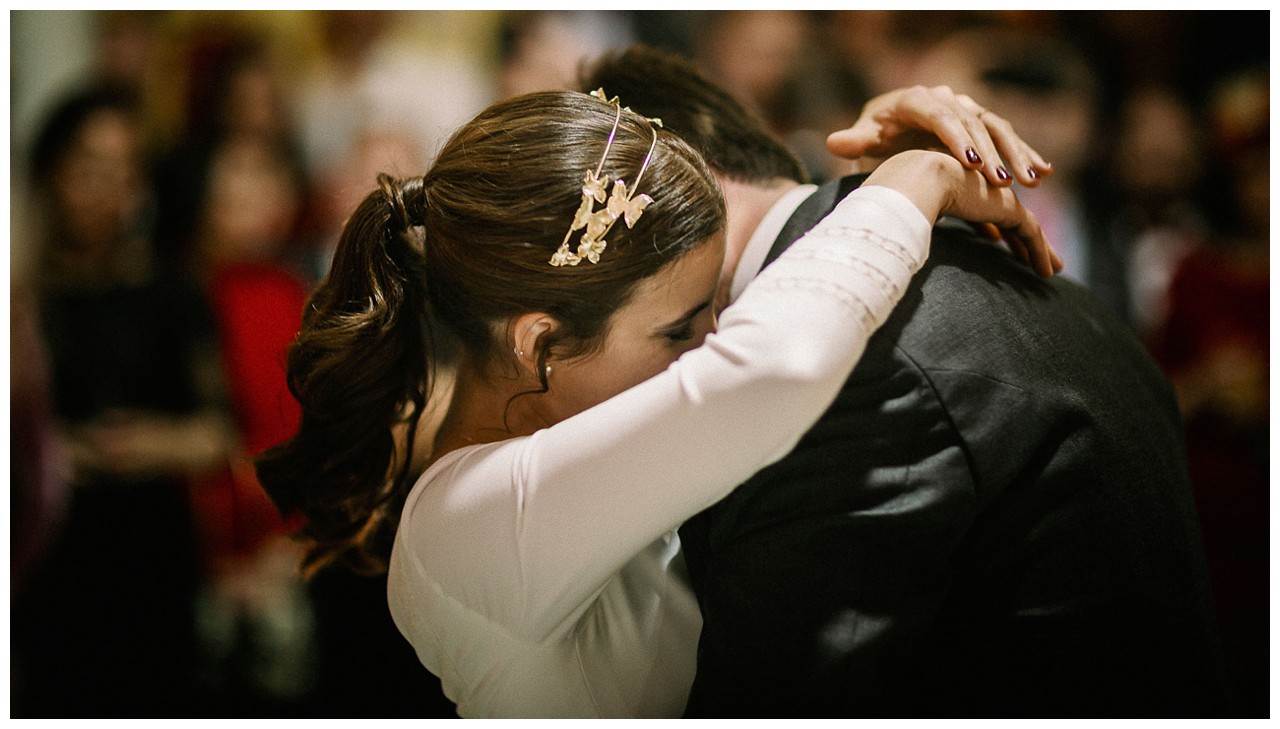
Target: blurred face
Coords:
[[669, 314], [99, 183], [252, 201], [754, 52], [1159, 150], [255, 105]]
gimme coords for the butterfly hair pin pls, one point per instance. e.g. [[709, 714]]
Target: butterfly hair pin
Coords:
[[619, 201]]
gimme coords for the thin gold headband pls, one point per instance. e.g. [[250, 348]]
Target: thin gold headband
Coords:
[[618, 203]]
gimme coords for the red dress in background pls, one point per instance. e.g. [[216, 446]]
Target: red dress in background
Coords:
[[258, 308], [1214, 301]]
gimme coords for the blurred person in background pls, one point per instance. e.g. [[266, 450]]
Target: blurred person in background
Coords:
[[126, 51], [1046, 87], [777, 63], [420, 73], [234, 87], [332, 97], [1156, 218], [542, 50], [884, 46], [755, 54], [104, 627], [256, 624], [1215, 344], [122, 58], [848, 56], [248, 223], [772, 60], [382, 94]]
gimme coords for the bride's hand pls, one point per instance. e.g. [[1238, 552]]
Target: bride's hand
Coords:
[[937, 118], [939, 185]]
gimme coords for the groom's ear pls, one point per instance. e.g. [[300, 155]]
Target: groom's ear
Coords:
[[529, 335]]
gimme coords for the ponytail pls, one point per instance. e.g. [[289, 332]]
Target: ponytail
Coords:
[[361, 364]]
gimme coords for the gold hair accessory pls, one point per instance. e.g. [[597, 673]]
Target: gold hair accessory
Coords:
[[618, 203]]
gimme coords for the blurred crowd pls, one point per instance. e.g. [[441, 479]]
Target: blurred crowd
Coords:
[[176, 194]]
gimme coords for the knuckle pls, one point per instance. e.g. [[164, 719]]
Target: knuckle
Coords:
[[944, 116]]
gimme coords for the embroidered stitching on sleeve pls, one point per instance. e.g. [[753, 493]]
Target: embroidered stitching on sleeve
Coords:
[[848, 232]]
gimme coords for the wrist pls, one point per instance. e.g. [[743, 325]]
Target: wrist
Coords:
[[927, 179]]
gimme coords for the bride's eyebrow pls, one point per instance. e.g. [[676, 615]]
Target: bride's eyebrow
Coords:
[[685, 319]]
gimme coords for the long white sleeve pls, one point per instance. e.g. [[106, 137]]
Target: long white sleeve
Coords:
[[523, 534]]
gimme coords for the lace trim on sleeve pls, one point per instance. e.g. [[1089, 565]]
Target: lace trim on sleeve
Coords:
[[882, 269], [893, 247]]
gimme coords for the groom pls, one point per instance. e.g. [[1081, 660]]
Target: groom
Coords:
[[992, 519]]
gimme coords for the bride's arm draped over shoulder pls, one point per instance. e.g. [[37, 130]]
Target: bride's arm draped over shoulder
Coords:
[[536, 526]]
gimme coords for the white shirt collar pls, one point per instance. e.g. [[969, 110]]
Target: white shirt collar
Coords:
[[765, 234]]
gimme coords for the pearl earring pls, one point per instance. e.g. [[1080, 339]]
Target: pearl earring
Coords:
[[519, 352]]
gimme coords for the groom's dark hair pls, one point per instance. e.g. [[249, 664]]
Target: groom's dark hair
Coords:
[[735, 141]]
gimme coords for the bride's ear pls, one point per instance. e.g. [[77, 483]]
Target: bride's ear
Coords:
[[529, 334]]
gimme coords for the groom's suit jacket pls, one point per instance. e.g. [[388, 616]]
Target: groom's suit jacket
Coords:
[[993, 519]]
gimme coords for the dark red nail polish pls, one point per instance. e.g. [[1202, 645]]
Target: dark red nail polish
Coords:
[[1002, 173], [972, 155], [1031, 171]]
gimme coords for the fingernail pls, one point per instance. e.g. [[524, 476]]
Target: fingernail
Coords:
[[972, 155], [1031, 172], [1003, 174]]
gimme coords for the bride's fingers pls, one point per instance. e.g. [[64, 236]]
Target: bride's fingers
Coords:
[[971, 114], [1023, 162], [855, 141], [1016, 246], [1020, 249], [1013, 156], [987, 230], [979, 139], [1021, 229], [892, 121], [936, 110], [1030, 238]]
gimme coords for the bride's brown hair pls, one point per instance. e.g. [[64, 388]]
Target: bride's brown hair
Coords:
[[451, 256]]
